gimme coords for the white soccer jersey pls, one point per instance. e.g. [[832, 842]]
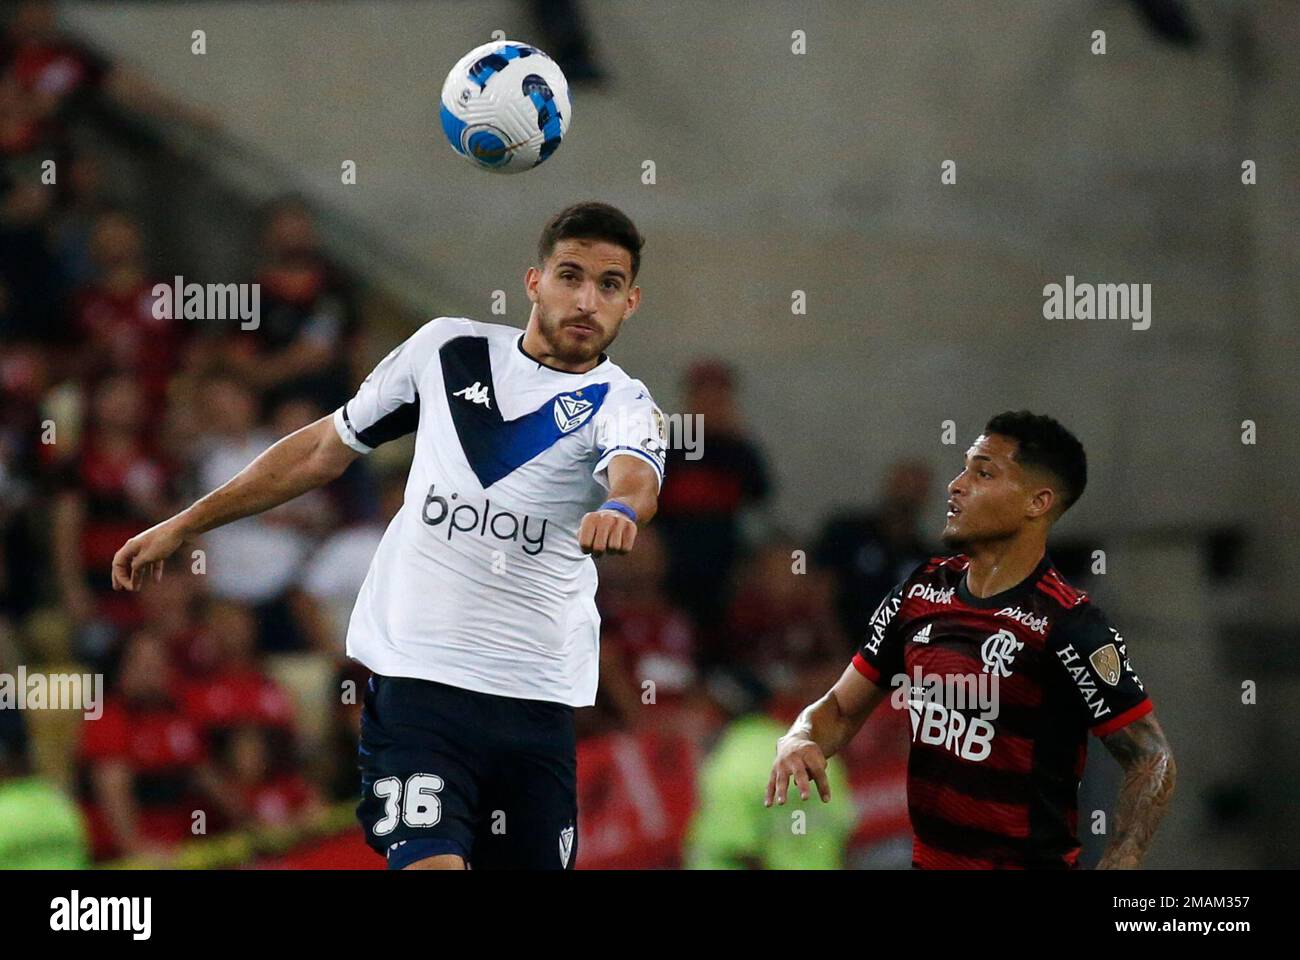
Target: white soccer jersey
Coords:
[[478, 581]]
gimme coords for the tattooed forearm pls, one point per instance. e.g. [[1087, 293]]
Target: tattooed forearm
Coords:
[[1149, 774]]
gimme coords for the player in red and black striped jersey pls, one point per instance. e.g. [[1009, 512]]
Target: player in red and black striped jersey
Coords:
[[999, 790], [1004, 669]]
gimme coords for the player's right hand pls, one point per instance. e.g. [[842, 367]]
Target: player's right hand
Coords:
[[802, 759], [144, 554], [606, 531]]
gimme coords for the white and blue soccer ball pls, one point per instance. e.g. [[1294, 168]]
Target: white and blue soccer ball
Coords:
[[505, 106]]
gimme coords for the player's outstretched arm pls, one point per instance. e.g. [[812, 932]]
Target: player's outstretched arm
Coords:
[[303, 460], [633, 493], [1149, 775], [821, 731]]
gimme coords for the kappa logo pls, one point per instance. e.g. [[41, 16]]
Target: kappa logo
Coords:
[[571, 411], [922, 635], [566, 845], [475, 393], [999, 651], [1105, 660], [930, 594]]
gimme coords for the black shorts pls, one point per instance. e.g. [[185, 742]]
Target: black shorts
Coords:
[[446, 770]]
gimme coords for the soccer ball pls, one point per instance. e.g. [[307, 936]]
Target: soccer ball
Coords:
[[505, 106]]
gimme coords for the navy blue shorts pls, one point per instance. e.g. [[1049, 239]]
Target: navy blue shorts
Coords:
[[446, 770]]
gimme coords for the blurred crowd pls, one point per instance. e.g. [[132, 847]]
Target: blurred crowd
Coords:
[[226, 688]]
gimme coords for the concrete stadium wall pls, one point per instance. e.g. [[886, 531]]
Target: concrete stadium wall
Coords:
[[821, 172]]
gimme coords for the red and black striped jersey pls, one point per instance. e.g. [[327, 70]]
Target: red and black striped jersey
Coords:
[[1002, 692]]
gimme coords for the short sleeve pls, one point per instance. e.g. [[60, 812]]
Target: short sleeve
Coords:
[[1095, 660], [880, 657], [629, 423], [387, 404]]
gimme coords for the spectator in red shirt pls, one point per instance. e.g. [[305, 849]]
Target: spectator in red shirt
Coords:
[[112, 487], [114, 318], [781, 619], [45, 76], [145, 761], [42, 76], [233, 689], [169, 609], [271, 795], [645, 639]]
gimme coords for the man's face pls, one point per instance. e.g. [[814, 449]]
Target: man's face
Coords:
[[583, 294], [994, 496]]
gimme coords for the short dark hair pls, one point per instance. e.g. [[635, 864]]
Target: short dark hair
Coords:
[[1044, 443], [592, 220]]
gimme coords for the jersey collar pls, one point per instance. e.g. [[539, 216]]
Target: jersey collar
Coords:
[[1002, 599], [519, 342]]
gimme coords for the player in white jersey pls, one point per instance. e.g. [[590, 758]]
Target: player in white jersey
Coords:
[[477, 617]]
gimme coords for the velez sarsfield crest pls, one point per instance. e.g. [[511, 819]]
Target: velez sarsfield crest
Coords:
[[572, 411]]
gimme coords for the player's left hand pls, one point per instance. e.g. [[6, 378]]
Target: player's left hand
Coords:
[[606, 531]]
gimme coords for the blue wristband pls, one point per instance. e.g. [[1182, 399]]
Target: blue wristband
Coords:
[[622, 508]]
